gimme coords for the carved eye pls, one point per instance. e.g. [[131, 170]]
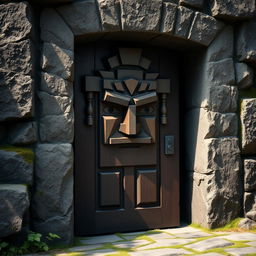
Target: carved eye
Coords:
[[147, 110], [111, 110]]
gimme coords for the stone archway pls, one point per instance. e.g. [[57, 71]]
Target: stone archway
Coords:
[[212, 132]]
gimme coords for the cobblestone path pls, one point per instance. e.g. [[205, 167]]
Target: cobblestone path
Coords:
[[173, 241]]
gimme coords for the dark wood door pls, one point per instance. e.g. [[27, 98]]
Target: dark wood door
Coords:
[[126, 138]]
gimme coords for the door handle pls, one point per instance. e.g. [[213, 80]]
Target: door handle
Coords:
[[168, 145]]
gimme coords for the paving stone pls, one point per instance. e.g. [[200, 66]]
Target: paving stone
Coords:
[[241, 251], [180, 230], [159, 236], [131, 244], [160, 252], [165, 243], [210, 254], [140, 233], [85, 248], [241, 236], [193, 234], [208, 244], [101, 239], [252, 243], [101, 252]]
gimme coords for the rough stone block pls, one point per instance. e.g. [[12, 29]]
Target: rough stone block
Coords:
[[244, 75], [54, 105], [234, 98], [140, 15], [247, 224], [53, 197], [57, 128], [248, 126], [222, 46], [250, 174], [221, 99], [246, 42], [82, 17], [16, 96], [14, 201], [16, 165], [183, 22], [204, 29], [218, 154], [16, 22], [249, 201], [61, 225], [57, 61], [168, 17], [110, 14], [220, 125], [17, 57], [221, 72], [251, 215], [192, 3], [59, 33], [216, 198], [233, 9], [56, 85], [23, 133]]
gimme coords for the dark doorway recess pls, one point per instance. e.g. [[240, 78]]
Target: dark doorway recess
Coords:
[[126, 176]]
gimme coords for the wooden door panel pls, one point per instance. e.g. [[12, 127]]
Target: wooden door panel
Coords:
[[123, 179]]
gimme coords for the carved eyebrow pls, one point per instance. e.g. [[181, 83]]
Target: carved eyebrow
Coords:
[[145, 98], [116, 98]]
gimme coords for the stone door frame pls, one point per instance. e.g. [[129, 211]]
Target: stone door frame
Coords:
[[214, 121]]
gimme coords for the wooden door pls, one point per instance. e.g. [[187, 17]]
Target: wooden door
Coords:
[[126, 138]]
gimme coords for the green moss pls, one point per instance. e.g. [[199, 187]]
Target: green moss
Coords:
[[248, 93], [231, 226], [26, 153]]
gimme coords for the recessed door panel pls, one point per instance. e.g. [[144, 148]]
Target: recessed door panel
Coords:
[[147, 188], [125, 106], [109, 184]]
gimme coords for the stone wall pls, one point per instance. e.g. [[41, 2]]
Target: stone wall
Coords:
[[18, 129], [38, 116], [245, 70]]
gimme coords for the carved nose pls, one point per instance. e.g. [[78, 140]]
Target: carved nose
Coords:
[[128, 126]]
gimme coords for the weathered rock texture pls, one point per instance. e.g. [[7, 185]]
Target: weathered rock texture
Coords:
[[213, 153], [23, 133], [16, 61], [245, 47], [53, 197], [14, 201], [250, 174], [16, 166], [248, 125], [213, 148], [244, 75], [233, 9], [17, 70]]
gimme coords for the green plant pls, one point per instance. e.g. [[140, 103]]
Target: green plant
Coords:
[[32, 244]]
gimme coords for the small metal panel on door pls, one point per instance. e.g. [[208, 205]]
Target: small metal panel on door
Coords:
[[126, 169]]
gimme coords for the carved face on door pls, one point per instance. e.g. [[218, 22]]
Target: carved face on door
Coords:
[[128, 98]]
